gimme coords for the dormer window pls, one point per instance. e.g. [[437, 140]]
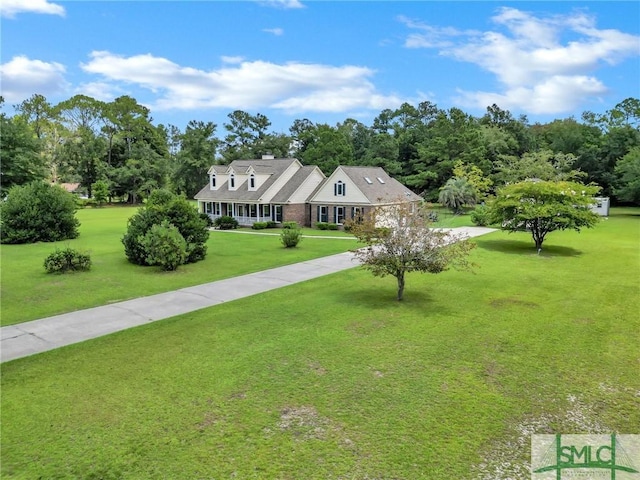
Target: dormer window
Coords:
[[232, 181], [252, 182], [339, 189], [213, 181]]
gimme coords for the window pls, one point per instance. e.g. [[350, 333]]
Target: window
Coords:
[[380, 180], [368, 180], [339, 189], [213, 181], [266, 211], [240, 209], [253, 210], [339, 215], [208, 207], [323, 213], [216, 208], [252, 182], [232, 181], [356, 213]]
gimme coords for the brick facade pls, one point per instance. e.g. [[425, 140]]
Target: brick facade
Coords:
[[298, 212]]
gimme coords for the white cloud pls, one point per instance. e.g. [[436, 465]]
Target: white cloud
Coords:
[[22, 77], [227, 59], [102, 91], [276, 31], [538, 71], [10, 8], [293, 87], [283, 4]]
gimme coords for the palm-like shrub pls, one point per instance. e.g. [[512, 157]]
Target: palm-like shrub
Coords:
[[457, 193]]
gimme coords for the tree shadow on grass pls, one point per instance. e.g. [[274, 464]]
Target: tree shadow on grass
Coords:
[[517, 247], [415, 299]]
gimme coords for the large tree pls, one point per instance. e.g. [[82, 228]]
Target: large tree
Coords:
[[542, 207], [198, 146], [399, 240], [21, 159], [628, 171]]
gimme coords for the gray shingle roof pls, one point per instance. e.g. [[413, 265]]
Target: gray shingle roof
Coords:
[[292, 185], [273, 167], [376, 191]]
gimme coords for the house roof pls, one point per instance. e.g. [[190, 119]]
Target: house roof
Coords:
[[292, 185], [272, 167], [378, 186]]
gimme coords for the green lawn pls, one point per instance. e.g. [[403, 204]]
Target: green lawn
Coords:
[[28, 292], [334, 379]]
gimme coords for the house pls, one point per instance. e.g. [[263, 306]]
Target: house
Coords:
[[266, 189], [351, 192], [282, 190]]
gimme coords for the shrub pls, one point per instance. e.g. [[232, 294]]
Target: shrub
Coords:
[[332, 226], [177, 211], [291, 237], [100, 192], [272, 224], [481, 216], [290, 225], [165, 246], [322, 225], [67, 260], [259, 225], [226, 223], [38, 212]]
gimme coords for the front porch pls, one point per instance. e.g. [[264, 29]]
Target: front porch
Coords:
[[245, 213]]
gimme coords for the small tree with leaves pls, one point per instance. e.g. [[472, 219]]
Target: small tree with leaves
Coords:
[[399, 239], [544, 207], [100, 191]]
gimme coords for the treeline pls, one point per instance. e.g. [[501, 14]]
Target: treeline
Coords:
[[85, 140]]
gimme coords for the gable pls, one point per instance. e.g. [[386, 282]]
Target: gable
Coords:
[[330, 192]]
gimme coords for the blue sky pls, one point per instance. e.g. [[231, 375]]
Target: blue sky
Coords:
[[323, 60]]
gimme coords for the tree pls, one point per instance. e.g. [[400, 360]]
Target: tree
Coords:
[[542, 207], [39, 212], [327, 147], [21, 159], [540, 165], [399, 240], [162, 206], [100, 192], [474, 176], [457, 193], [197, 153], [628, 171]]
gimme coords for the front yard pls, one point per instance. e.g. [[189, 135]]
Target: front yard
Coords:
[[334, 379]]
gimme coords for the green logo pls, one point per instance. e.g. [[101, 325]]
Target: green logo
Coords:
[[585, 456]]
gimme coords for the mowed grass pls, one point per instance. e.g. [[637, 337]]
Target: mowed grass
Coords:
[[334, 379], [28, 292]]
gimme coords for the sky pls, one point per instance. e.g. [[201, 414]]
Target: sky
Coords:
[[323, 60]]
